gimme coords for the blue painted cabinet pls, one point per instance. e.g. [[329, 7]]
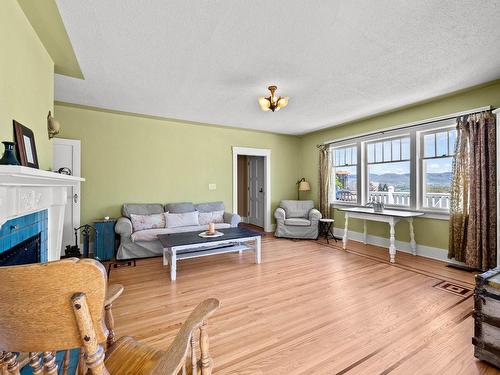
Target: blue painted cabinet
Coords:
[[104, 239]]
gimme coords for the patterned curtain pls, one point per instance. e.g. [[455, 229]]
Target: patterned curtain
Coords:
[[324, 180], [473, 193]]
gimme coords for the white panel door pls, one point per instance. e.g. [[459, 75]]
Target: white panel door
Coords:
[[256, 194], [66, 153]]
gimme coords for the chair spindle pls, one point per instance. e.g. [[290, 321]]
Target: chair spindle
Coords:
[[49, 364], [206, 362], [66, 362], [36, 363], [11, 364]]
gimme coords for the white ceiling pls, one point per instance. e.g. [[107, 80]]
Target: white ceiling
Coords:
[[208, 60]]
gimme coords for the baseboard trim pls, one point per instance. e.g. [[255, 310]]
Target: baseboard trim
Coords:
[[244, 219], [422, 250]]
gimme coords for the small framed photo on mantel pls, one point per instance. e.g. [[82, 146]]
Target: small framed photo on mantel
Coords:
[[25, 144]]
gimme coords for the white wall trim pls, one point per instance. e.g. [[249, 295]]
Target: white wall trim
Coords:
[[422, 250], [250, 151]]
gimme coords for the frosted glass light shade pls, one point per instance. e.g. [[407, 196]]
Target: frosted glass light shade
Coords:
[[264, 103], [283, 102]]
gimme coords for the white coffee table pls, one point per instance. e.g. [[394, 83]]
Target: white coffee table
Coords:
[[177, 246]]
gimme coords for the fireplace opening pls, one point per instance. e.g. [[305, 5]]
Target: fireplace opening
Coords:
[[24, 252]]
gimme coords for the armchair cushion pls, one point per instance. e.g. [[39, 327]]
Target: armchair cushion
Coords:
[[295, 208], [298, 222]]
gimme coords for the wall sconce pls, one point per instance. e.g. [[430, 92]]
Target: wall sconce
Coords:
[[53, 126]]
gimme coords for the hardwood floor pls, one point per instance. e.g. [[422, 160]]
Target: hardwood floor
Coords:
[[309, 308]]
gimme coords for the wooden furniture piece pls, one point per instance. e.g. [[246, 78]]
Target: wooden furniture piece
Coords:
[[112, 293], [177, 246], [496, 112], [486, 315], [72, 316], [105, 243], [326, 229], [386, 216]]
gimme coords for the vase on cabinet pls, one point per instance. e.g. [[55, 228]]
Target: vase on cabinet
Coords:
[[9, 157]]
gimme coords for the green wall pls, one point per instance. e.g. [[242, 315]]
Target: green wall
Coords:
[[130, 158], [26, 80], [429, 232]]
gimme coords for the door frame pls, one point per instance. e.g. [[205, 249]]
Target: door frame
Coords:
[[250, 151], [76, 171]]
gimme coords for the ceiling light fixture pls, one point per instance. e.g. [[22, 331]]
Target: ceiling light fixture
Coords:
[[273, 102]]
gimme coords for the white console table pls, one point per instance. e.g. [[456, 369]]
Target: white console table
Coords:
[[386, 216]]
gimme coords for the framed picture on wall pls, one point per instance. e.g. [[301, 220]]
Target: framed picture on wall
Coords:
[[25, 143]]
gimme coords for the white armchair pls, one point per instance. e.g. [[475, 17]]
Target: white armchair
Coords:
[[297, 219]]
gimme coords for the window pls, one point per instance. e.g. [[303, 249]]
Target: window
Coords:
[[393, 167], [388, 174], [436, 155], [345, 174]]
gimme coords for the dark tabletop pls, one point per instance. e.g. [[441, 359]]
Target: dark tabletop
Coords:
[[191, 238]]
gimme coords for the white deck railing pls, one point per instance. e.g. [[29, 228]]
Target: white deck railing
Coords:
[[431, 200]]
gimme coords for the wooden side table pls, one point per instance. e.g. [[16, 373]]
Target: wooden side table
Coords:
[[326, 229]]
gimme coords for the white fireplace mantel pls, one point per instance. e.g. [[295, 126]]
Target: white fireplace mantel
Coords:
[[25, 190]]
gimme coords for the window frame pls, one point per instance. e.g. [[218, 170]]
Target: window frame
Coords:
[[416, 134], [366, 165], [343, 145], [422, 158]]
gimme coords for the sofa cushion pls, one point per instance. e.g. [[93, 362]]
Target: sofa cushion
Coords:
[[297, 222], [142, 222], [210, 206], [179, 208], [297, 208], [141, 209], [211, 217], [185, 219], [152, 234]]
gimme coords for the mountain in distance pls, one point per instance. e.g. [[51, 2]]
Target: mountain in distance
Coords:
[[403, 179]]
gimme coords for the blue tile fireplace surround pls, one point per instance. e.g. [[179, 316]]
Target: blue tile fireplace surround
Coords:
[[24, 239]]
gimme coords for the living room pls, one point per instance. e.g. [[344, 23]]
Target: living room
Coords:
[[310, 188]]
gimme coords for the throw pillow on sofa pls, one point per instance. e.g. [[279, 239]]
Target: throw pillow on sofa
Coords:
[[182, 220], [143, 222], [211, 217]]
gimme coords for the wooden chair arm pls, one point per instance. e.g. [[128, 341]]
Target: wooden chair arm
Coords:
[[179, 349], [114, 291]]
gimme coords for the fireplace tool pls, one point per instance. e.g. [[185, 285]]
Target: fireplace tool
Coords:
[[74, 251]]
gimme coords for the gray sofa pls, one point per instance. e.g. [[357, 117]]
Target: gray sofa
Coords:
[[297, 219], [144, 243]]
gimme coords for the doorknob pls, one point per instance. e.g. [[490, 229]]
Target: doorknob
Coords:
[[261, 191], [75, 198]]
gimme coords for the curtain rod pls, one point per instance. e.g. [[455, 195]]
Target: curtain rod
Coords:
[[411, 124]]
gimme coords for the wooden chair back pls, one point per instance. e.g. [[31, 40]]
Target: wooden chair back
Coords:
[[52, 306]]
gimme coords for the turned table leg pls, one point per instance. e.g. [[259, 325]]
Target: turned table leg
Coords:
[[413, 243], [392, 241], [344, 239], [365, 232]]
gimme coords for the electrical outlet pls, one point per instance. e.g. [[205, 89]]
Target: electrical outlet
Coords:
[[212, 187]]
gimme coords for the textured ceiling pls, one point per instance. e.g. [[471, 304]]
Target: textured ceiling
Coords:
[[208, 60]]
